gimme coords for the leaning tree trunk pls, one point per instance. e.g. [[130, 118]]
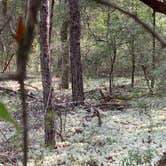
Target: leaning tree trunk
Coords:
[[46, 76], [75, 56], [65, 52]]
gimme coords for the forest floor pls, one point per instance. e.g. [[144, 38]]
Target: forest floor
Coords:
[[125, 129]]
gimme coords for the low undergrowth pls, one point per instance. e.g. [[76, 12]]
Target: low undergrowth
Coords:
[[126, 130]]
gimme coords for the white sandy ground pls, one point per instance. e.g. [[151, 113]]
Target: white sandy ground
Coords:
[[108, 145]]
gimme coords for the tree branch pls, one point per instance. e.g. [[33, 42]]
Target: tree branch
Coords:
[[157, 5], [135, 17], [7, 63]]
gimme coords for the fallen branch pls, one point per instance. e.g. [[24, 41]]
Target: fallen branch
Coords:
[[18, 92]]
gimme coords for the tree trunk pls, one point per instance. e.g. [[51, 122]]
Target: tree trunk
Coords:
[[75, 56], [65, 53], [133, 70], [4, 7], [112, 67], [154, 51], [51, 18], [46, 76], [133, 61], [144, 68]]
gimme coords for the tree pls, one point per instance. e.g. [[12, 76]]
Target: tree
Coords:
[[133, 57], [4, 4], [154, 49], [108, 38], [46, 75], [65, 50], [75, 56], [114, 38], [133, 16]]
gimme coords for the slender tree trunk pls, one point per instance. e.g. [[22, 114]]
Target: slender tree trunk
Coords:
[[112, 67], [133, 62], [65, 52], [46, 76], [133, 70], [4, 7], [51, 18], [146, 75], [26, 6], [154, 50], [75, 56]]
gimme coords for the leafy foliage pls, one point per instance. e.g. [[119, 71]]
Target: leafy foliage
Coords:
[[136, 158], [5, 115]]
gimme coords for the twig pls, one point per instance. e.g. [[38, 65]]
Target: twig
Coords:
[[8, 63], [4, 136], [18, 92]]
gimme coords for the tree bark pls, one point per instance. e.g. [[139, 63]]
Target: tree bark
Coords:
[[133, 62], [4, 7], [51, 18], [75, 56], [65, 52], [133, 70], [46, 76], [112, 67], [154, 50]]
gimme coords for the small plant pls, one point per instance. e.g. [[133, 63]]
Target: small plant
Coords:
[[148, 155], [135, 158], [143, 106], [110, 140], [5, 115]]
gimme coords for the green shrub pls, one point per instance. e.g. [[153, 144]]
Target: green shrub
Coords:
[[135, 158]]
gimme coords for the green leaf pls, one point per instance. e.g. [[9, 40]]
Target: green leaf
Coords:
[[5, 115]]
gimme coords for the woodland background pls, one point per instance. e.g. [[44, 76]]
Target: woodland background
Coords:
[[82, 82]]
